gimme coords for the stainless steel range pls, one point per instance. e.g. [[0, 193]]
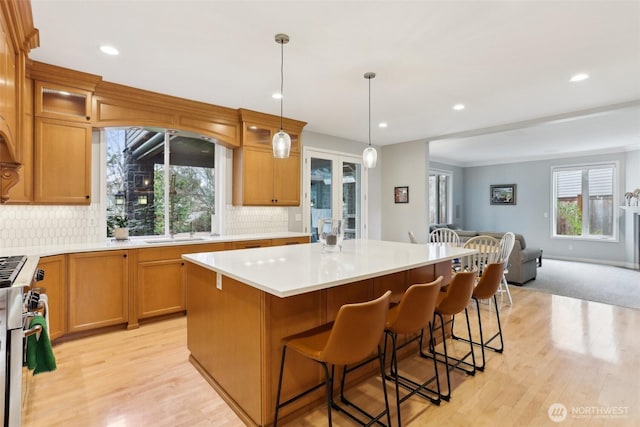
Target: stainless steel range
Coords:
[[17, 273]]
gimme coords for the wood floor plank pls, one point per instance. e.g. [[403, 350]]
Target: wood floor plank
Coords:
[[581, 354]]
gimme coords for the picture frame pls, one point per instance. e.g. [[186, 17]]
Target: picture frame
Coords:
[[503, 194], [401, 194]]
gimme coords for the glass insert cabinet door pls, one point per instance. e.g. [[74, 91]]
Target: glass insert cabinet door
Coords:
[[333, 189]]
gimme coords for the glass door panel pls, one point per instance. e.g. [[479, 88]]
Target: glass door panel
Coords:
[[334, 187], [351, 196], [320, 193]]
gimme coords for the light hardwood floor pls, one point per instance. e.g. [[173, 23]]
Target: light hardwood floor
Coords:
[[583, 355]]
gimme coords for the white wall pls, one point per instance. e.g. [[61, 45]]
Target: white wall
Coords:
[[405, 165], [531, 216]]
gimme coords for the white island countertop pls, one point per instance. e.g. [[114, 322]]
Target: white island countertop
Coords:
[[285, 271]]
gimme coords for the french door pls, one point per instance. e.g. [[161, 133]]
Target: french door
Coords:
[[334, 187]]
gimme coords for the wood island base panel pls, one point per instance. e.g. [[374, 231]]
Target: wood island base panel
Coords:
[[235, 325]]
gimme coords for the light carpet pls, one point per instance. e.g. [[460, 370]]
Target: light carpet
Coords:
[[591, 282]]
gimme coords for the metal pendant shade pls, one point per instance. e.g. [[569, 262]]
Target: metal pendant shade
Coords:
[[281, 141], [369, 155]]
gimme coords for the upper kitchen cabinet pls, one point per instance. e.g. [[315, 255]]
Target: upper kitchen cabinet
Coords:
[[62, 102], [62, 154], [17, 37], [62, 134], [259, 179]]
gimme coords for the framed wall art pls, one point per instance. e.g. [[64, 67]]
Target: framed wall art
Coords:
[[401, 194], [503, 194]]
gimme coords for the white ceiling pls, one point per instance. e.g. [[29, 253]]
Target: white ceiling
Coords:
[[509, 62]]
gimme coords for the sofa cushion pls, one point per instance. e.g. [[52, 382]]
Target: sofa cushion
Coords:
[[529, 254], [466, 234]]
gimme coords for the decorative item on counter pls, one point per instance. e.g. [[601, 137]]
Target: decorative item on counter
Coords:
[[331, 234], [119, 223]]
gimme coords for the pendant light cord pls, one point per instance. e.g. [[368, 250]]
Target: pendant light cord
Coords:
[[369, 112], [281, 81]]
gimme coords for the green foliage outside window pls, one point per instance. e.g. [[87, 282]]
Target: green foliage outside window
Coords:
[[569, 215]]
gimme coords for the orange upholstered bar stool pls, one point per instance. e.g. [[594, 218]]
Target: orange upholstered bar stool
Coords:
[[413, 315], [450, 303], [487, 288], [351, 338]]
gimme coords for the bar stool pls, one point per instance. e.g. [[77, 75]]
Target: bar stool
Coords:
[[353, 336], [450, 303], [413, 315], [487, 287]]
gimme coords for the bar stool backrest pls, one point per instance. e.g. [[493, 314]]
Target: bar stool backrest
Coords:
[[416, 307], [489, 282], [357, 331], [458, 293]]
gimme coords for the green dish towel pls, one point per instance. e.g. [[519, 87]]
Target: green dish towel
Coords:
[[40, 356]]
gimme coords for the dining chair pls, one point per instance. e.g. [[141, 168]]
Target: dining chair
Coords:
[[488, 251], [412, 237], [444, 235], [487, 288], [354, 335], [506, 246]]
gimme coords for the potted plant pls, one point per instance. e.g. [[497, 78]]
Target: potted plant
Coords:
[[119, 223]]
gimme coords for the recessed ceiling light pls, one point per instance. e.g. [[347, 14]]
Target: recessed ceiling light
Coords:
[[579, 77], [458, 107], [109, 50], [382, 125], [277, 95]]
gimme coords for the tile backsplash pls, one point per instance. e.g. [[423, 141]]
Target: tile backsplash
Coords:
[[49, 225], [22, 226]]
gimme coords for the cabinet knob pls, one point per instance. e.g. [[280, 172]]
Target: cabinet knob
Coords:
[[87, 197], [88, 118], [124, 256]]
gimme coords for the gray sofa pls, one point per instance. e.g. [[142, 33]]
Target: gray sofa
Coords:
[[523, 261]]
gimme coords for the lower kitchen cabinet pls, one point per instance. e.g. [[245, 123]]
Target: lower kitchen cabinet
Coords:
[[160, 278], [55, 287], [98, 289]]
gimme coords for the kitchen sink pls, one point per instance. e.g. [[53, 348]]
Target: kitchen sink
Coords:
[[175, 239]]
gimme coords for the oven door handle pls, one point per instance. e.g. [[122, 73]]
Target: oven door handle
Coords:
[[31, 331]]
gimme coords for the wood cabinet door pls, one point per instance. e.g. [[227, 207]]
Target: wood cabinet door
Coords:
[[257, 181], [98, 289], [62, 162], [160, 288], [55, 284], [287, 181]]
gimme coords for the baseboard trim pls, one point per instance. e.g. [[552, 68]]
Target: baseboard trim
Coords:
[[629, 265]]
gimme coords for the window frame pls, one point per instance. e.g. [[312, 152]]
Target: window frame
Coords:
[[615, 165], [449, 174], [221, 157]]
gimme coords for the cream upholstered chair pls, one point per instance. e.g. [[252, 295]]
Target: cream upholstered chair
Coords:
[[488, 251], [351, 338], [444, 235], [506, 246], [487, 288]]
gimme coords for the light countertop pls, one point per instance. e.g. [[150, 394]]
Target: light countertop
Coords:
[[142, 242], [292, 270]]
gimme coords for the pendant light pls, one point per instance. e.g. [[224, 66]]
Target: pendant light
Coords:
[[369, 155], [281, 140]]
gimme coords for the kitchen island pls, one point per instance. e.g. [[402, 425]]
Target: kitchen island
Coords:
[[240, 304]]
